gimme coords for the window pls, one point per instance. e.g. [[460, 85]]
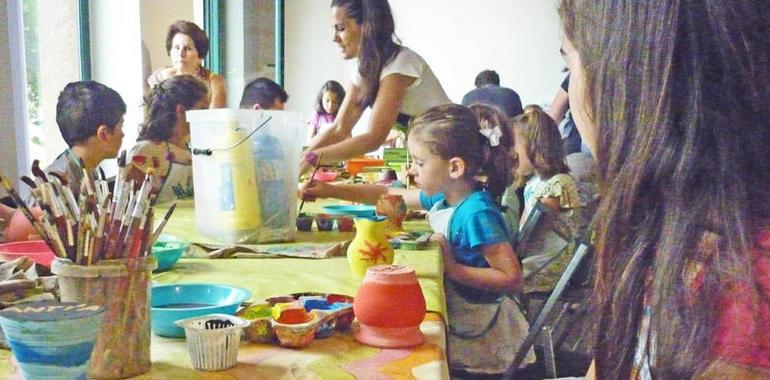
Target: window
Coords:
[[52, 57]]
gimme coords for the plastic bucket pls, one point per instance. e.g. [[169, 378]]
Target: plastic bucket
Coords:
[[245, 170], [213, 340], [123, 287]]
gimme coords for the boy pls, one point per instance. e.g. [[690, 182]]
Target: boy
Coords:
[[263, 93], [90, 118]]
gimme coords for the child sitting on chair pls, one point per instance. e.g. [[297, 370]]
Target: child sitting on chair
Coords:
[[450, 153], [539, 153], [90, 118]]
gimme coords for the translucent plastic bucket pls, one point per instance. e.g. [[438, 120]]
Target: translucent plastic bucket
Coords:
[[245, 170]]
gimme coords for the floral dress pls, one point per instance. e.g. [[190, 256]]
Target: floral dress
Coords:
[[549, 250]]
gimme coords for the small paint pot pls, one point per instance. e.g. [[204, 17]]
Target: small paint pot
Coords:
[[324, 222], [259, 329], [304, 222], [345, 316], [296, 335], [345, 224]]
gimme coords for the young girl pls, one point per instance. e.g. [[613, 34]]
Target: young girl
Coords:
[[540, 155], [326, 106], [481, 269], [162, 144]]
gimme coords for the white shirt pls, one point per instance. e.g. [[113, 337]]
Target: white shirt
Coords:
[[425, 92]]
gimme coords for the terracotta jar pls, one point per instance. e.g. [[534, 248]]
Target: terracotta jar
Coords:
[[370, 246], [389, 307]]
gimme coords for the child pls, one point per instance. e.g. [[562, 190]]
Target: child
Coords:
[[540, 155], [449, 152], [263, 93], [494, 125], [161, 148], [326, 106], [90, 118]]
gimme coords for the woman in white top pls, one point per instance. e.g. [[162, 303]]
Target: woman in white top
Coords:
[[392, 79]]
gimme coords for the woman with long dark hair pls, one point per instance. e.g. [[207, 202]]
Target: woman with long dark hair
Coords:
[[391, 79], [673, 99]]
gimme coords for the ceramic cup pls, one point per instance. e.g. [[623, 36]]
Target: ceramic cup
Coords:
[[345, 224], [304, 222], [52, 340], [324, 222]]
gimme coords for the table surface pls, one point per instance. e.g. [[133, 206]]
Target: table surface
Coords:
[[337, 357]]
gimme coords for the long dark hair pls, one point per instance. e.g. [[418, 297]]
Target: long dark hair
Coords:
[[679, 93], [378, 45], [453, 131], [332, 86], [160, 116]]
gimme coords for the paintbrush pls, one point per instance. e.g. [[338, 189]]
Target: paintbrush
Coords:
[[22, 206], [312, 176], [166, 217]]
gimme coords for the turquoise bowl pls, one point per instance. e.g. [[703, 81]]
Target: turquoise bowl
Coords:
[[168, 253], [174, 302]]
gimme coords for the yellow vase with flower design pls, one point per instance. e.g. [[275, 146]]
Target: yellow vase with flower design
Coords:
[[370, 246]]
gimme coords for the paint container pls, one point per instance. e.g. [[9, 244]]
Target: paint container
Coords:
[[304, 222], [259, 329], [345, 224], [324, 222], [52, 340], [213, 340], [123, 287]]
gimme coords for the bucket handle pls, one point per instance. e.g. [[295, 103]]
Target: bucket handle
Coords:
[[209, 151]]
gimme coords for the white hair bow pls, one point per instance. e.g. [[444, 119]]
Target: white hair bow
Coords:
[[492, 134]]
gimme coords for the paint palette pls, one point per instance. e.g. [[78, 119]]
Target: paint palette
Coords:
[[355, 210]]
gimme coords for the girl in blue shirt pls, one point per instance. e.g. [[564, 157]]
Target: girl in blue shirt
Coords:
[[461, 168]]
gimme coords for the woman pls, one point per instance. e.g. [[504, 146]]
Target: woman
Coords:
[[677, 117], [392, 79], [162, 144], [187, 44]]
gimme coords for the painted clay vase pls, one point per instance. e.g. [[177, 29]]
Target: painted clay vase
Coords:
[[389, 307], [52, 340], [370, 247], [393, 207]]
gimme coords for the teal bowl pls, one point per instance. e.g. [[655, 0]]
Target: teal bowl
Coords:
[[168, 253], [173, 302]]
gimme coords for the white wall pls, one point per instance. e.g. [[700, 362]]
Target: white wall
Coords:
[[116, 61], [156, 17], [517, 38]]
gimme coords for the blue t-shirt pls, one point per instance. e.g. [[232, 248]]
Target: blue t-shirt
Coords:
[[477, 221]]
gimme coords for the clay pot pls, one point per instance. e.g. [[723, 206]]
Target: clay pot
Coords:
[[389, 307]]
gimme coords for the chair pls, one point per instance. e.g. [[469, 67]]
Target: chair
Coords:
[[534, 221], [548, 311]]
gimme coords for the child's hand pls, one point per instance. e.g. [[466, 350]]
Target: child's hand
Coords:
[[446, 251], [315, 189]]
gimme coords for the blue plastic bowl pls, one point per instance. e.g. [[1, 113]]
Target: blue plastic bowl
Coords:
[[355, 210], [179, 301], [168, 253]]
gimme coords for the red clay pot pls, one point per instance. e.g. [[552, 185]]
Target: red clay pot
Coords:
[[389, 306]]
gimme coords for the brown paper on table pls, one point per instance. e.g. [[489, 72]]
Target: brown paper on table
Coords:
[[309, 250]]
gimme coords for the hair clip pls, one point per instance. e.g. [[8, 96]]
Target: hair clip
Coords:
[[492, 134]]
